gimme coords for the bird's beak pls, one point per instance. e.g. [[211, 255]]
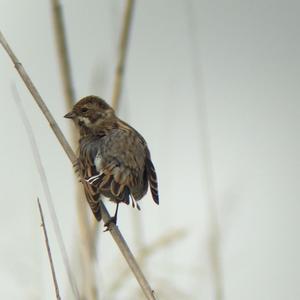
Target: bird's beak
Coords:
[[70, 115]]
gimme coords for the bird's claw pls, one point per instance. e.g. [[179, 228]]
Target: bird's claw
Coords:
[[91, 180], [107, 225]]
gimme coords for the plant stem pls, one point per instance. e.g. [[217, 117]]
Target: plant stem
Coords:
[[116, 234]]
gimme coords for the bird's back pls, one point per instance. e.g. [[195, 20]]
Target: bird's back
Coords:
[[120, 163], [114, 159]]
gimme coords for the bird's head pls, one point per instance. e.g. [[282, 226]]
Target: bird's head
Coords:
[[90, 112]]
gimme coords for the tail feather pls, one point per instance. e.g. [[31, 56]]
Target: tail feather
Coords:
[[152, 180], [108, 186], [124, 196]]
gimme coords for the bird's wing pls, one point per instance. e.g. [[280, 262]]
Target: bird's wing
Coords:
[[122, 165], [126, 166]]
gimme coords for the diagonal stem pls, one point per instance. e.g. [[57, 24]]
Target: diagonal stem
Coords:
[[116, 234], [46, 188], [62, 52], [123, 46], [49, 251], [86, 254]]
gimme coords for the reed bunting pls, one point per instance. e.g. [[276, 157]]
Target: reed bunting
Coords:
[[114, 160]]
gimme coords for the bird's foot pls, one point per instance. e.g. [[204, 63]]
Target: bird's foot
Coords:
[[112, 220], [92, 180]]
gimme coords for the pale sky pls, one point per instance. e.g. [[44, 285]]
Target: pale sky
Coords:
[[213, 87]]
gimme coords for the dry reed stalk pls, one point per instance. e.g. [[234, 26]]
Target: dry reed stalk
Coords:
[[49, 251], [86, 248], [116, 234], [146, 251], [123, 47], [46, 188], [62, 52]]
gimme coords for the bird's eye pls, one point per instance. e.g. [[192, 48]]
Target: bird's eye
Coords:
[[84, 110]]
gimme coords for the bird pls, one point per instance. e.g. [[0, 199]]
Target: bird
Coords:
[[114, 160]]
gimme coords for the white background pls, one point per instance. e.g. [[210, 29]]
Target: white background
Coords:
[[213, 86]]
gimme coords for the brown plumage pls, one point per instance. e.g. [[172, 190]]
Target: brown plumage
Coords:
[[114, 160]]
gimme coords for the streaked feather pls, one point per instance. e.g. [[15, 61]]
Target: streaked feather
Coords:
[[152, 180], [114, 158]]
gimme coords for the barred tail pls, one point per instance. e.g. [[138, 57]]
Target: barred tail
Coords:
[[152, 180]]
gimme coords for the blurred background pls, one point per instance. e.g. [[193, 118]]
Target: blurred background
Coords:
[[213, 86]]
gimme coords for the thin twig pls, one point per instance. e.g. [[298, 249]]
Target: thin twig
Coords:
[[120, 241], [123, 46], [48, 251], [144, 253], [38, 99], [46, 188], [62, 51], [116, 234], [163, 241], [86, 248]]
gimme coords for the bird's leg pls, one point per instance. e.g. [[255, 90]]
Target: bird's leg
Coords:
[[112, 219]]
